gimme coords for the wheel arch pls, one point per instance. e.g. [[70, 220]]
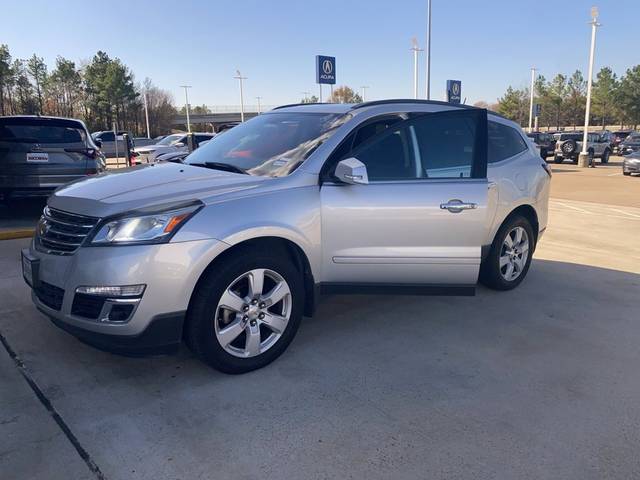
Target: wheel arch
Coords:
[[525, 210], [277, 245]]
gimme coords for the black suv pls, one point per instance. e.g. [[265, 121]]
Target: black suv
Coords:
[[544, 141], [39, 154]]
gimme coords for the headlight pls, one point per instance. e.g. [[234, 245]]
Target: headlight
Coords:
[[141, 228]]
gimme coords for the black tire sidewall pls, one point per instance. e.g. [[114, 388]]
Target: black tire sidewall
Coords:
[[490, 269], [200, 319]]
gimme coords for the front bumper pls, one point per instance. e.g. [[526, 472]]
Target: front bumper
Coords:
[[170, 272], [631, 166]]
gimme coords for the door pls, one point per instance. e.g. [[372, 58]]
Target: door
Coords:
[[420, 219]]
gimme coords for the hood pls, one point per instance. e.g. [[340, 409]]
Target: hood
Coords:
[[148, 185]]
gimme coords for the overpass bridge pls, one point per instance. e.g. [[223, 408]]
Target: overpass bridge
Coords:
[[218, 115]]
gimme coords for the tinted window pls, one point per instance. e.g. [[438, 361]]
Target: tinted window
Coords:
[[445, 145], [504, 142], [389, 157], [107, 137], [45, 133], [367, 131]]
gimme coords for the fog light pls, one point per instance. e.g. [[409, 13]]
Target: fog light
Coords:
[[113, 291]]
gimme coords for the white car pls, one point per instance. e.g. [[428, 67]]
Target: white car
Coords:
[[169, 144]]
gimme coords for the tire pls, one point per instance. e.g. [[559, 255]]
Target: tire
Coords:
[[626, 173], [206, 317], [558, 159], [605, 157], [491, 273]]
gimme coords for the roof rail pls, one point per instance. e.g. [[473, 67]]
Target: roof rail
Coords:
[[408, 100], [299, 104]]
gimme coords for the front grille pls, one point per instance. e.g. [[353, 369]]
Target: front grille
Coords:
[[61, 233], [50, 295], [88, 306]]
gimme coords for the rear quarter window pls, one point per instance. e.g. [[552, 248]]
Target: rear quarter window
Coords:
[[504, 142]]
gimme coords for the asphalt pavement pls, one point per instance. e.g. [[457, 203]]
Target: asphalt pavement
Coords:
[[540, 382]]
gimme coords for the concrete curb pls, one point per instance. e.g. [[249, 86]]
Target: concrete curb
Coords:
[[17, 233]]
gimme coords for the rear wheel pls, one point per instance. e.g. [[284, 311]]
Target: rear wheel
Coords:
[[510, 256], [245, 311]]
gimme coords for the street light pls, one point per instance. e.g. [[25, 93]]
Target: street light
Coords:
[[533, 77], [240, 78], [415, 49], [584, 156], [258, 98], [186, 100], [146, 113], [364, 88], [428, 48]]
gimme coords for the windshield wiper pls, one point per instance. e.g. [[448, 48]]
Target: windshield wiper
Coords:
[[227, 167]]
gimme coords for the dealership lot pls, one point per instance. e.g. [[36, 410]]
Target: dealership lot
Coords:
[[538, 382]]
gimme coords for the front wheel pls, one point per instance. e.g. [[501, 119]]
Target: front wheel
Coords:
[[510, 256], [626, 173], [245, 311]]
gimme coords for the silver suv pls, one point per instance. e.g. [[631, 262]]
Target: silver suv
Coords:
[[230, 249], [569, 146]]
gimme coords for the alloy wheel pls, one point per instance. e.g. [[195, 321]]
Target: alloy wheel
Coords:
[[514, 253], [253, 313]]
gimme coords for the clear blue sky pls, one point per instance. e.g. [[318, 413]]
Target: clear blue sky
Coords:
[[487, 44]]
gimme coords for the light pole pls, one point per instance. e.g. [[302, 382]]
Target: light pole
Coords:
[[583, 159], [533, 78], [428, 48], [146, 114], [415, 51], [186, 100], [240, 78], [364, 91], [258, 99]]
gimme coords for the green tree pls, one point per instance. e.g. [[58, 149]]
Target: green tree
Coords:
[[514, 104], [629, 96], [64, 87], [558, 92], [26, 102], [6, 75], [344, 94], [311, 99], [603, 95], [576, 98], [37, 69]]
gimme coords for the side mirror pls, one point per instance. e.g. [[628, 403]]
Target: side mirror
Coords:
[[178, 144], [98, 142], [352, 171]]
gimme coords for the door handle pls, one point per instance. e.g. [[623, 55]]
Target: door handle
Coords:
[[456, 206]]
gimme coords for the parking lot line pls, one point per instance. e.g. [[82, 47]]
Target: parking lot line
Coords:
[[626, 213]]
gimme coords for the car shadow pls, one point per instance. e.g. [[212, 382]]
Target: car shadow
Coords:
[[512, 369]]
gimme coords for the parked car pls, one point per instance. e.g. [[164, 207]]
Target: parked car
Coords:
[[544, 141], [144, 141], [618, 138], [112, 146], [230, 249], [39, 154], [631, 163], [569, 146], [171, 143], [630, 144]]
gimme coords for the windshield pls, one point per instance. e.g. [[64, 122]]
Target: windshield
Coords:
[[272, 144], [169, 139]]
